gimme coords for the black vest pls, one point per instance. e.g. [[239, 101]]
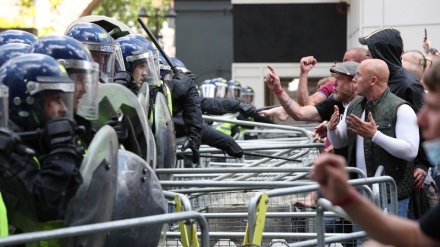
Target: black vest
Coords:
[[384, 111]]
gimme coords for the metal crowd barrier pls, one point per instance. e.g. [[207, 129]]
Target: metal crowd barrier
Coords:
[[113, 225]]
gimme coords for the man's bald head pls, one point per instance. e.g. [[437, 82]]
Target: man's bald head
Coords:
[[356, 55], [415, 62], [378, 68], [371, 78]]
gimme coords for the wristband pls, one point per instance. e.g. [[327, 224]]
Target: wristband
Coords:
[[350, 198], [279, 91]]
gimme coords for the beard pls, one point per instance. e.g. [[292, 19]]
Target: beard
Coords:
[[343, 96]]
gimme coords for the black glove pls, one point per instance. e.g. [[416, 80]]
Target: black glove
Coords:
[[59, 137], [236, 151], [180, 76], [193, 142], [247, 110], [190, 75], [10, 142], [120, 129]]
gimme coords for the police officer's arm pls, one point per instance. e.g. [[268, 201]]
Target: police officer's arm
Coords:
[[53, 179], [186, 99], [59, 176], [218, 106], [297, 112]]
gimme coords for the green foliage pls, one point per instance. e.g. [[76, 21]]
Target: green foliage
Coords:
[[28, 10], [127, 11]]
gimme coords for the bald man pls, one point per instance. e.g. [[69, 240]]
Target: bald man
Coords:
[[379, 129], [415, 62]]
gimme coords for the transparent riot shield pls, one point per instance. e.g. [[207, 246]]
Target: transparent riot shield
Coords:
[[144, 100], [93, 202], [118, 101], [164, 135], [144, 97], [138, 194]]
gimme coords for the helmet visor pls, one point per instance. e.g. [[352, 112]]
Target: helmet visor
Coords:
[[119, 63], [247, 98], [153, 70], [221, 89], [234, 92], [106, 62], [56, 104], [85, 97], [208, 90]]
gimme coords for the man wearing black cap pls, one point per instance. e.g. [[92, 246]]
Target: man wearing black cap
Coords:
[[386, 44]]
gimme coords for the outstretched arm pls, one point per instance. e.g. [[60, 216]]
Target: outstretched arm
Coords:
[[297, 112], [329, 171]]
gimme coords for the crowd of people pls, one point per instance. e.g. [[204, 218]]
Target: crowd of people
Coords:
[[371, 121], [378, 107]]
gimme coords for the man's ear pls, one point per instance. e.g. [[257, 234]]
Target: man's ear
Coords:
[[373, 80]]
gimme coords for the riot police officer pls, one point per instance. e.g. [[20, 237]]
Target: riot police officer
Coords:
[[100, 44], [234, 90], [41, 98], [182, 90], [83, 71], [247, 94]]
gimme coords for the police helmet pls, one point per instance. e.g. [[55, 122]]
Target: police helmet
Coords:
[[181, 66], [100, 44], [80, 66], [144, 41], [165, 69], [208, 89], [39, 90], [221, 87], [247, 94], [234, 89], [135, 54], [16, 36], [11, 50], [148, 45]]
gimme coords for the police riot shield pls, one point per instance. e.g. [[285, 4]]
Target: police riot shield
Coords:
[[93, 202], [138, 194], [164, 134], [117, 101], [144, 98], [114, 27]]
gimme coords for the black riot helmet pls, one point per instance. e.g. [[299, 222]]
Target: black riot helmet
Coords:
[[100, 44], [80, 66], [39, 90], [16, 36]]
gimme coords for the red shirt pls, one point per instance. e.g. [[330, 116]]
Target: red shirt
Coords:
[[327, 89]]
